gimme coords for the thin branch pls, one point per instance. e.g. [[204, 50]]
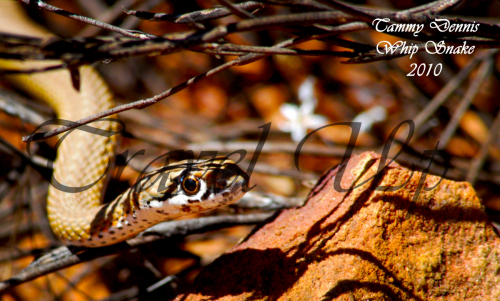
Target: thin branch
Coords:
[[478, 162], [196, 16], [79, 51], [418, 14], [85, 52], [433, 7], [42, 5], [310, 4], [205, 224], [236, 10], [64, 257], [483, 72], [374, 56], [88, 51], [140, 104], [222, 48], [268, 201], [107, 15], [271, 147], [447, 90]]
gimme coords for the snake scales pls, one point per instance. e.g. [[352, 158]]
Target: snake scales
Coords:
[[80, 218]]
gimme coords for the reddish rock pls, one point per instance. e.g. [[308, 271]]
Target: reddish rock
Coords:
[[365, 244]]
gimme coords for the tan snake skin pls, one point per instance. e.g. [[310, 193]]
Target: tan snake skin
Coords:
[[80, 218]]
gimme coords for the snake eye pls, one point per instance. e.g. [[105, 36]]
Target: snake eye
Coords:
[[190, 185]]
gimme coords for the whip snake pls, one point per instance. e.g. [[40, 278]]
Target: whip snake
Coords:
[[80, 218]]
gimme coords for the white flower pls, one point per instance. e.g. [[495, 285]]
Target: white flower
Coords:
[[306, 93], [301, 118], [368, 118]]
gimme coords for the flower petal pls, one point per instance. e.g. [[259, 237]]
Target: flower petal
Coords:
[[298, 133], [306, 92], [289, 111], [315, 121]]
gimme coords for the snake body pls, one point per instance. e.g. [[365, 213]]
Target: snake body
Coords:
[[80, 218]]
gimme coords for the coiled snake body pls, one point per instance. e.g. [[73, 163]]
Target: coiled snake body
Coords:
[[80, 218]]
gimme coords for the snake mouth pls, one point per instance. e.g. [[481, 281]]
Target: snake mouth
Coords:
[[226, 183]]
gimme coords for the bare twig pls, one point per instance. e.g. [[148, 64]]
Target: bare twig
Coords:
[[447, 90], [271, 147], [116, 49], [196, 16], [483, 72], [432, 8], [268, 201], [478, 162], [237, 11], [106, 15], [42, 5], [85, 51], [223, 48], [418, 14], [64, 257], [140, 104], [374, 56]]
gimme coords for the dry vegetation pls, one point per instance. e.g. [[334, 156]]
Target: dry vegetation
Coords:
[[207, 82]]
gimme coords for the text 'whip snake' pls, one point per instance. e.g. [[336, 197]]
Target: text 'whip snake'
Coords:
[[79, 218]]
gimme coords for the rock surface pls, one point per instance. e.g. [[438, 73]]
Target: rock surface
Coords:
[[365, 244]]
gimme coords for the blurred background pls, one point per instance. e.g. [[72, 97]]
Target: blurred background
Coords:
[[223, 113]]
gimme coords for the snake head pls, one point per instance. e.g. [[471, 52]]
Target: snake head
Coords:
[[218, 181], [195, 186]]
